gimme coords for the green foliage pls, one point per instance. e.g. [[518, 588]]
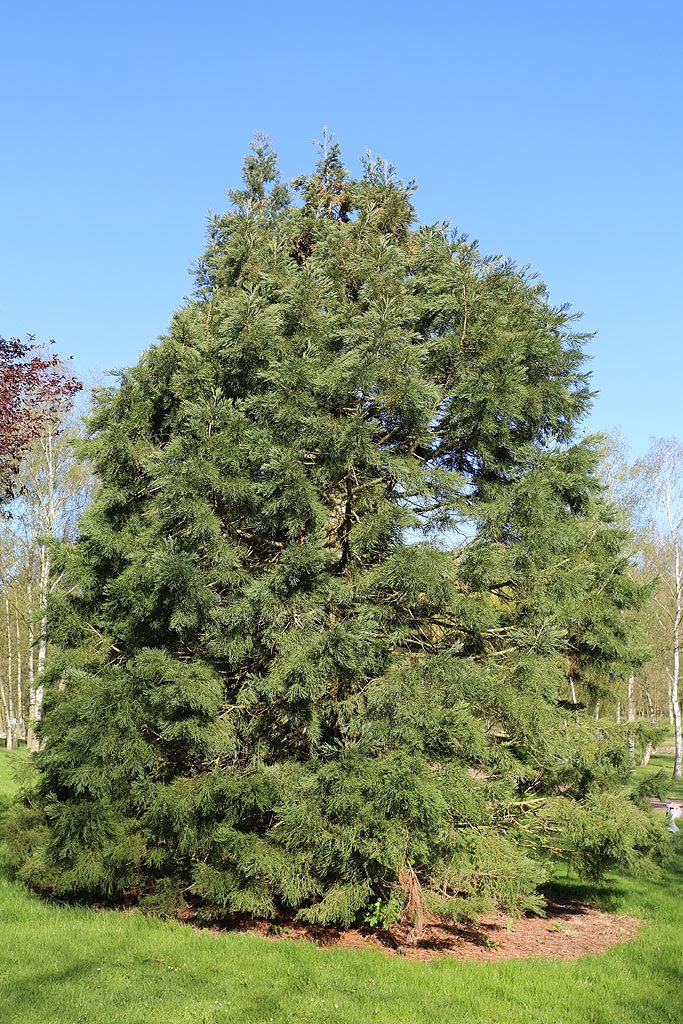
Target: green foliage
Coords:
[[384, 913], [605, 831], [315, 636], [148, 970]]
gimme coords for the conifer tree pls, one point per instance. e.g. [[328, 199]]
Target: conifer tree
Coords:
[[316, 633]]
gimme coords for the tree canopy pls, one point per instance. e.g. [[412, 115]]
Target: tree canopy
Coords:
[[315, 637], [35, 389]]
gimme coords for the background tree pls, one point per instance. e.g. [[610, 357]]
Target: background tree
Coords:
[[660, 479], [53, 490], [12, 642], [639, 696], [34, 390], [281, 684]]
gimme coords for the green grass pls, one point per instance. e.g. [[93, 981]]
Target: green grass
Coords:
[[664, 762], [61, 965]]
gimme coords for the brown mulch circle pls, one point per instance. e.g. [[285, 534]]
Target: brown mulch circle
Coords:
[[569, 930]]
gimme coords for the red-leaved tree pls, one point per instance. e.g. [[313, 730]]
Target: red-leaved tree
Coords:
[[35, 389]]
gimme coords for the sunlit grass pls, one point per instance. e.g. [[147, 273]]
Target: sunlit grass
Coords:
[[61, 965], [664, 762]]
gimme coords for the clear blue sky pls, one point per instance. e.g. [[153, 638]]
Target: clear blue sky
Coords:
[[551, 132]]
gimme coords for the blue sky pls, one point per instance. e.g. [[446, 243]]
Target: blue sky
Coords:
[[551, 132]]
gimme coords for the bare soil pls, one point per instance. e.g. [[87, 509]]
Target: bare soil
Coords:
[[569, 930]]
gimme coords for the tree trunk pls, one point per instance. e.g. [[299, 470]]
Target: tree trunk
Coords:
[[573, 689], [31, 738], [653, 718], [37, 689], [11, 716], [675, 705], [42, 597], [6, 715], [631, 715], [20, 694], [678, 746]]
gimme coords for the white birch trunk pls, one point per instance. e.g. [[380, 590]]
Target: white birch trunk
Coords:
[[675, 704], [631, 716], [37, 688], [676, 711], [31, 738], [653, 718], [20, 694], [11, 732], [42, 597], [9, 735], [573, 689]]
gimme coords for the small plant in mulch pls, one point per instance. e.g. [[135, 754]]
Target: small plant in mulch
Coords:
[[558, 926], [383, 913]]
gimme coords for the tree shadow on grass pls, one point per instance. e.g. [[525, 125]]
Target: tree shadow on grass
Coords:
[[611, 893], [28, 992], [608, 896], [661, 1002]]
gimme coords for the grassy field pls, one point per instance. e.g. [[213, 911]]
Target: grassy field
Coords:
[[664, 762], [62, 965]]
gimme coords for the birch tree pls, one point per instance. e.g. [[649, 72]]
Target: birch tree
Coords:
[[621, 490], [54, 489], [660, 476], [36, 391], [12, 644]]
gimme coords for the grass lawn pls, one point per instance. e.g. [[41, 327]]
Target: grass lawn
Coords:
[[664, 762], [63, 965]]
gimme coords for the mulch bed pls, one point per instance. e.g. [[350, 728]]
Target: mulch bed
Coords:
[[569, 930]]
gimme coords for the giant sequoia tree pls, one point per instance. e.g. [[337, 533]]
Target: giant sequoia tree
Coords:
[[316, 635]]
